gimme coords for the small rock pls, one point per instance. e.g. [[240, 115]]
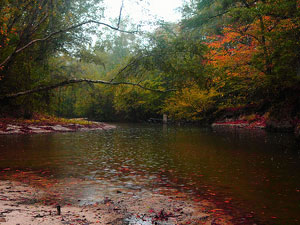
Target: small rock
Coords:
[[38, 216], [60, 128], [107, 200], [38, 130], [13, 127]]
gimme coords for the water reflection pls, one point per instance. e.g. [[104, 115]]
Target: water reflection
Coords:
[[254, 170]]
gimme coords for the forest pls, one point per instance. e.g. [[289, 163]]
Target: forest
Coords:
[[80, 89], [223, 57]]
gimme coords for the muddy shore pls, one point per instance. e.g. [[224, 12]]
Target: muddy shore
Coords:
[[20, 204]]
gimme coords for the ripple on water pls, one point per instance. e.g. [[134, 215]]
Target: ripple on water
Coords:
[[247, 167]]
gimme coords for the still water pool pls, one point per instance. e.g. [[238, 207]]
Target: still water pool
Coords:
[[252, 171]]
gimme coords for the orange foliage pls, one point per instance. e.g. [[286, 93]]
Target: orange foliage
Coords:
[[232, 53]]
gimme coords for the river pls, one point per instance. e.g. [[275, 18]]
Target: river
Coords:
[[249, 173]]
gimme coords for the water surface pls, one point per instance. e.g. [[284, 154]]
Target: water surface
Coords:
[[254, 171]]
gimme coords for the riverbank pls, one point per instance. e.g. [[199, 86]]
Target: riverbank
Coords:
[[21, 204], [47, 124], [256, 121]]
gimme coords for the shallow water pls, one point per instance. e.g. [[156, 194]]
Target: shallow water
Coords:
[[251, 170]]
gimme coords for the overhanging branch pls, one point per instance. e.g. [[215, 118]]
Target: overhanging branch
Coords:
[[75, 81]]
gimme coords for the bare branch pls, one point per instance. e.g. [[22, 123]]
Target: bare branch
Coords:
[[208, 19], [6, 60], [63, 31], [120, 14], [75, 81], [126, 67], [71, 28], [39, 23]]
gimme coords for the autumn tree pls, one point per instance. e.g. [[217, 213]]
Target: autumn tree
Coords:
[[253, 45], [249, 54]]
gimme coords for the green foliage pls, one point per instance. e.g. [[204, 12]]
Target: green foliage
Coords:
[[224, 53], [191, 104], [136, 105], [101, 62], [21, 23]]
